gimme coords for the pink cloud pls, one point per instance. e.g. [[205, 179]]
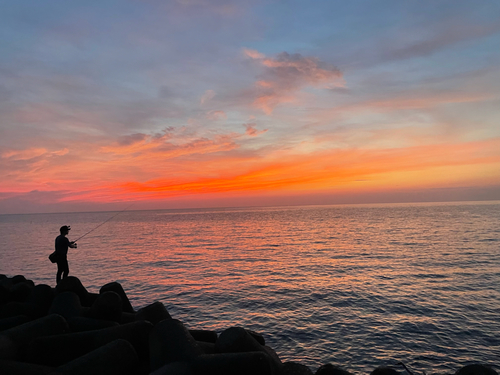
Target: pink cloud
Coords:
[[30, 154], [216, 115], [286, 74], [207, 96], [253, 54], [252, 131]]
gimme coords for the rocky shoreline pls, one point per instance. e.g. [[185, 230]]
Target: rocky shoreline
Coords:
[[68, 330]]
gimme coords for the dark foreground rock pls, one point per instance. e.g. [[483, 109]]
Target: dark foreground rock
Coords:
[[70, 331]]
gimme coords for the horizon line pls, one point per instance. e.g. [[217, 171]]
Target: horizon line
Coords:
[[423, 202]]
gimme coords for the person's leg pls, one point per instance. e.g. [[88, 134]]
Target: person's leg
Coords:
[[65, 271], [59, 272], [62, 270]]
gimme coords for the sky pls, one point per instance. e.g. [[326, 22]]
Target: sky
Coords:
[[214, 103]]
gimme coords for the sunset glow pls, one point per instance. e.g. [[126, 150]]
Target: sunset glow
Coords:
[[175, 104]]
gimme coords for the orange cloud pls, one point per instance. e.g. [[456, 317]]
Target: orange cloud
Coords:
[[252, 131], [423, 166], [31, 153], [154, 149], [409, 118]]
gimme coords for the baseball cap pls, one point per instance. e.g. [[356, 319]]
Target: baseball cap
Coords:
[[65, 227]]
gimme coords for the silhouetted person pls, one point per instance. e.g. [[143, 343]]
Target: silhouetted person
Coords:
[[62, 244]]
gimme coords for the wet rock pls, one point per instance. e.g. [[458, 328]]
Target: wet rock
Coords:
[[118, 289]]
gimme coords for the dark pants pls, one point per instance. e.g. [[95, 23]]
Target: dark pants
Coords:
[[62, 269]]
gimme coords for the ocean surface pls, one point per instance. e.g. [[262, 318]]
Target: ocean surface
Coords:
[[358, 286]]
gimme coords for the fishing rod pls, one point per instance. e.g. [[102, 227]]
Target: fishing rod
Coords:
[[104, 222]]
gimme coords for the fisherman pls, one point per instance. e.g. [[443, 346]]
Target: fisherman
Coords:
[[62, 244]]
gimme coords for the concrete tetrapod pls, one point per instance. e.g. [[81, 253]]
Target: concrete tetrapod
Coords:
[[67, 305], [170, 342], [118, 289], [248, 363], [14, 340], [57, 350], [107, 306], [115, 358]]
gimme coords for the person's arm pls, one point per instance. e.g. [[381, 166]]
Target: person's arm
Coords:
[[73, 245]]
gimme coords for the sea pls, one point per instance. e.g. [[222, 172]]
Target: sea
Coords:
[[358, 286]]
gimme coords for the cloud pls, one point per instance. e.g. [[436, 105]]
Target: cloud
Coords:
[[420, 166], [286, 74], [415, 100], [171, 143], [129, 140], [436, 38], [174, 164], [30, 154], [429, 30], [253, 54], [400, 106], [252, 131], [216, 115], [207, 96], [23, 154]]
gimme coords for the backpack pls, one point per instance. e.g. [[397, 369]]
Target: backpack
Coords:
[[53, 257]]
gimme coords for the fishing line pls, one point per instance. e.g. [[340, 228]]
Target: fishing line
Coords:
[[104, 222]]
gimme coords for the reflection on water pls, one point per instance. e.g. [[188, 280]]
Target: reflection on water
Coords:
[[358, 286]]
